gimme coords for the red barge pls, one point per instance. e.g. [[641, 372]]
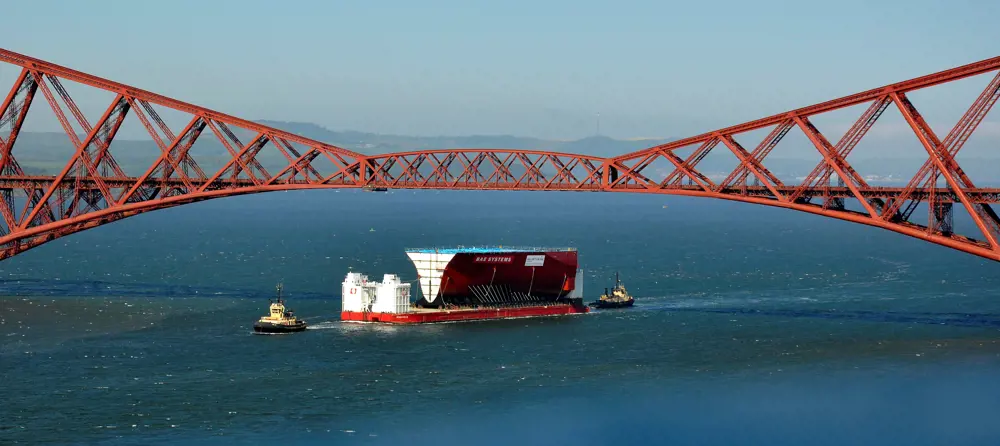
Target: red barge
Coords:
[[471, 283]]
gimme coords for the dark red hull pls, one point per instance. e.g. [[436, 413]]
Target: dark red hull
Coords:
[[442, 315]]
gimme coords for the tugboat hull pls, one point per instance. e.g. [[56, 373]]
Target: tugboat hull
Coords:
[[605, 304], [265, 327]]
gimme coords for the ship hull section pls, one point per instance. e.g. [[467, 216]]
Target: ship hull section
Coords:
[[495, 278]]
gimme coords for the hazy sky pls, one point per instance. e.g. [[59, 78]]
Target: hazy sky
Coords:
[[532, 68]]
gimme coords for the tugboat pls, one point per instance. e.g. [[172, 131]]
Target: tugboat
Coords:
[[617, 298], [279, 320]]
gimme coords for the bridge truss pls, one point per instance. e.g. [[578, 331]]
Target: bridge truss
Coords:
[[91, 188]]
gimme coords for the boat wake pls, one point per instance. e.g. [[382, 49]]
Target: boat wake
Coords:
[[328, 325], [819, 306], [702, 301]]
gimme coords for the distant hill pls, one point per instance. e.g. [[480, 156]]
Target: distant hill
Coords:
[[379, 143], [46, 153]]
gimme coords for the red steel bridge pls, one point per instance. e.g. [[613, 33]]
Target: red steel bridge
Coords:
[[91, 188]]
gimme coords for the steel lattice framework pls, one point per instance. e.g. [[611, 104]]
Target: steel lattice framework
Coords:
[[92, 189]]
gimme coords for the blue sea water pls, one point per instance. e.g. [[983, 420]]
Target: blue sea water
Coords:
[[753, 326]]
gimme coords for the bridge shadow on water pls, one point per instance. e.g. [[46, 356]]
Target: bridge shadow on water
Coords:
[[104, 289]]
